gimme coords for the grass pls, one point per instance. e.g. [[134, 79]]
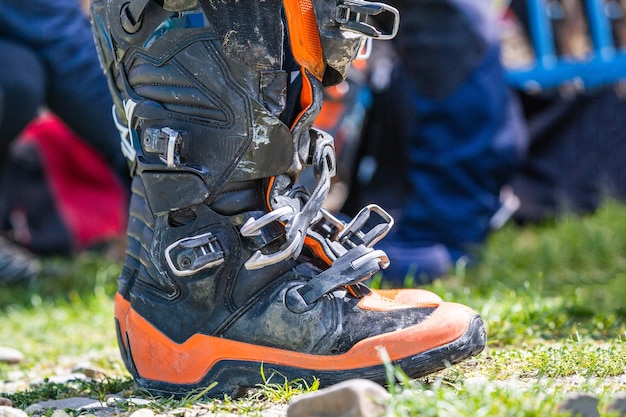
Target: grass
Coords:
[[553, 297]]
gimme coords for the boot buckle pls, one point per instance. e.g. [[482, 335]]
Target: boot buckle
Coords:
[[252, 227], [353, 15], [166, 142], [259, 260], [351, 234], [193, 254], [377, 255]]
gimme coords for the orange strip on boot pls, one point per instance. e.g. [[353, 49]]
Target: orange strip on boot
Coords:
[[304, 36], [159, 358]]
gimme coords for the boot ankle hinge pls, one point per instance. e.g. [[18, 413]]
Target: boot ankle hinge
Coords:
[[193, 254]]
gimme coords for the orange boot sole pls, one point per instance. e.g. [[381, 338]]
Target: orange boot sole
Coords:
[[451, 334]]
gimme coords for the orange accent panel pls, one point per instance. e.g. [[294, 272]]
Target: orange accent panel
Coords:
[[376, 302], [317, 249], [158, 358], [413, 296], [121, 312], [306, 96], [304, 36], [269, 190], [351, 291]]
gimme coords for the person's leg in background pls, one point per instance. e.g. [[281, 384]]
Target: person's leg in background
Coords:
[[460, 129], [22, 93], [59, 33], [23, 86], [70, 87]]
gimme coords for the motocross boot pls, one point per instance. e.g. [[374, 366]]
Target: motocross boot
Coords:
[[233, 272]]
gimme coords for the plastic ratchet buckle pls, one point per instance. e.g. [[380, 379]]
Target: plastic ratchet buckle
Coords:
[[194, 254], [353, 15]]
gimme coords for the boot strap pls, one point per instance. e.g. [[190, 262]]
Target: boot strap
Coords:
[[355, 266]]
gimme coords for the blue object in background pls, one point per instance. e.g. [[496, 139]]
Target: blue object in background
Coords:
[[605, 63]]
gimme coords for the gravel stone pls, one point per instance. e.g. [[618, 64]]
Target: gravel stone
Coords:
[[89, 370], [59, 413], [11, 412], [580, 405], [74, 403], [351, 398], [617, 405], [10, 355], [143, 412], [59, 379]]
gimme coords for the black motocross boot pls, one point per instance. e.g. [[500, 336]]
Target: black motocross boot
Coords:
[[232, 270]]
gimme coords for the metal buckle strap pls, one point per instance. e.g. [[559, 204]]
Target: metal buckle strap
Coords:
[[252, 226], [258, 259], [260, 237], [324, 168], [353, 15], [193, 254], [336, 237], [353, 235], [172, 157], [297, 222]]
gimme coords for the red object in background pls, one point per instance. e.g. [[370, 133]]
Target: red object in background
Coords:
[[87, 196]]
